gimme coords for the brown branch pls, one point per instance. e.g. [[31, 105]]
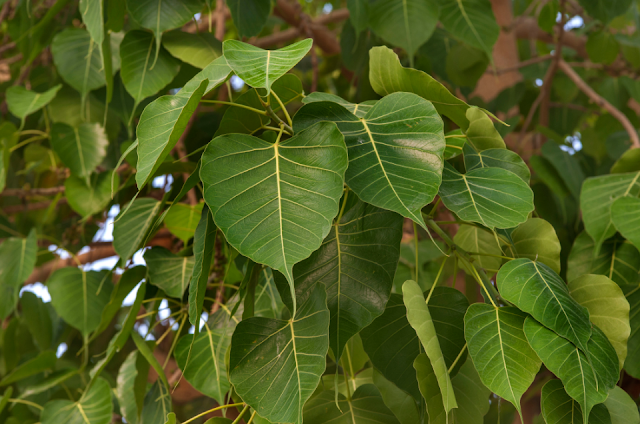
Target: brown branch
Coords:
[[600, 101], [18, 192], [28, 207], [522, 64], [220, 18]]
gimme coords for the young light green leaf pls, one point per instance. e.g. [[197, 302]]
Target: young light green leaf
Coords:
[[632, 363], [628, 162], [44, 361], [17, 260], [164, 120], [482, 134], [596, 199], [132, 225], [478, 240], [182, 220], [23, 102], [429, 389], [538, 290], [537, 240], [92, 199], [308, 167], [249, 16], [357, 288], [568, 363], [625, 215], [493, 197], [82, 148], [495, 158], [505, 362], [198, 50], [388, 76], [167, 271], [131, 386], [94, 407], [559, 408], [5, 398], [471, 21], [622, 408], [395, 150], [420, 319], [260, 68], [397, 400], [203, 246], [285, 356], [141, 75], [608, 308], [79, 297]]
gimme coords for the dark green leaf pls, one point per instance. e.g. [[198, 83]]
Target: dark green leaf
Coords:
[[605, 10], [37, 317], [566, 165], [94, 407], [359, 110], [604, 359], [358, 14], [249, 16], [632, 363], [167, 271], [130, 230], [157, 404], [82, 148], [198, 50], [559, 408], [17, 260], [44, 361], [203, 246], [602, 47], [625, 215], [471, 21]]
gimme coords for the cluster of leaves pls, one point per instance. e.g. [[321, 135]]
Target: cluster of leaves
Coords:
[[285, 289]]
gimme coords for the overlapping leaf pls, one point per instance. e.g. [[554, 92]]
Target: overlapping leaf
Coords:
[[401, 403], [182, 219], [604, 359], [625, 215], [478, 240], [203, 244], [495, 158], [632, 363], [471, 21], [23, 102], [94, 407], [131, 386], [92, 199], [169, 272], [566, 165], [81, 148], [131, 229], [482, 134], [17, 260], [395, 150], [249, 16], [622, 408], [537, 240], [198, 50], [559, 408], [358, 109]]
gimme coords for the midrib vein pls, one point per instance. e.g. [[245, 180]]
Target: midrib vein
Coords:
[[80, 153], [295, 357], [504, 361], [284, 258]]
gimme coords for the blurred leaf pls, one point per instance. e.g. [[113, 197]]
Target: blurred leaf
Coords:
[[471, 21], [203, 247], [628, 162], [82, 149], [198, 50], [167, 271], [625, 212], [182, 220], [622, 408], [44, 361], [602, 47], [23, 102], [157, 404], [465, 65], [37, 317], [93, 199], [605, 10], [397, 400], [559, 408], [17, 260], [249, 16], [94, 407], [131, 386]]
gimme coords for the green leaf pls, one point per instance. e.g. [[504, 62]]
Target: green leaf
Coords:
[[182, 220], [79, 297], [538, 290], [360, 110], [404, 23], [395, 152], [141, 75], [131, 386], [358, 14], [81, 149], [625, 215], [429, 389], [568, 363], [260, 68], [559, 408], [482, 134], [92, 199], [198, 50], [364, 407], [604, 359], [157, 404], [478, 240], [608, 308], [471, 21], [628, 162], [274, 191], [132, 226], [17, 260], [206, 370], [5, 398], [357, 287], [203, 247], [397, 400], [23, 102], [602, 47], [8, 138], [162, 15], [94, 407], [596, 198], [493, 197], [146, 350], [167, 271], [464, 66], [537, 240], [249, 16], [566, 165], [37, 316], [44, 361], [618, 259], [77, 59], [622, 408], [495, 158], [388, 76], [505, 362], [420, 319], [164, 120], [605, 10], [92, 12], [632, 363], [287, 357]]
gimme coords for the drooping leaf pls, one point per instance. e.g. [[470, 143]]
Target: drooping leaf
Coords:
[[79, 297], [203, 246], [82, 148], [359, 14], [395, 150], [157, 404], [537, 240], [632, 363], [23, 102], [249, 16], [420, 319], [167, 271], [559, 408], [94, 407], [44, 361], [401, 403], [164, 120], [198, 50], [17, 260], [286, 356], [495, 158], [471, 21], [622, 408], [493, 197], [388, 76], [131, 386], [142, 74], [538, 290], [505, 362], [478, 240], [182, 219], [130, 229], [448, 307], [608, 308], [568, 363], [625, 215], [357, 287], [92, 199], [262, 195], [596, 199], [429, 389], [92, 12], [260, 68]]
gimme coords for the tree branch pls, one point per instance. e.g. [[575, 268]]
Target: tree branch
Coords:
[[18, 192]]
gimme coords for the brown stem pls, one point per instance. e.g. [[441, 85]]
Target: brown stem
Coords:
[[522, 64], [17, 192], [220, 18]]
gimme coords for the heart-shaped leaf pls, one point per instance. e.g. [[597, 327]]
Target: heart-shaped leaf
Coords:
[[131, 229], [82, 148], [505, 362], [495, 158], [182, 220], [395, 150], [198, 50], [164, 120], [625, 215], [482, 134], [17, 260], [357, 288], [493, 197], [537, 240], [558, 407], [471, 21], [94, 407], [284, 195], [92, 199], [167, 271], [287, 357], [536, 289], [478, 240], [261, 68], [23, 102], [568, 363]]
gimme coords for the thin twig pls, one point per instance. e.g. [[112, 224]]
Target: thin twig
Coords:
[[18, 192], [522, 64]]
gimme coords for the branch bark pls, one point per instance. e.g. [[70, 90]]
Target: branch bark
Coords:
[[18, 192]]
